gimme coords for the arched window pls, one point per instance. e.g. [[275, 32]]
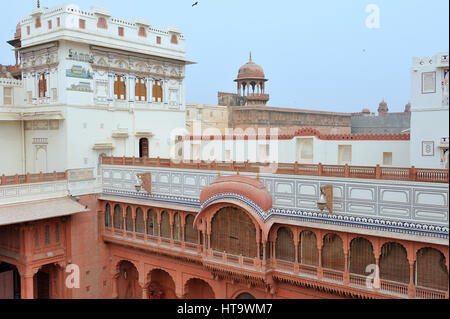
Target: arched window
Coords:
[[361, 256], [152, 223], [333, 252], [157, 92], [42, 85], [101, 23], [190, 234], [431, 271], [285, 248], [140, 224], [174, 39], [245, 295], [120, 88], [143, 147], [118, 217], [129, 219], [308, 252], [394, 265], [165, 224], [142, 32], [233, 231], [177, 227], [107, 215], [140, 90]]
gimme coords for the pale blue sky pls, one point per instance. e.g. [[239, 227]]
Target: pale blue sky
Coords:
[[316, 54]]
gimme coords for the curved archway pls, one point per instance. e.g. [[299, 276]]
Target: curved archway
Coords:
[[285, 248], [190, 234], [177, 227], [129, 220], [107, 215], [233, 231], [161, 285], [333, 252], [360, 255], [128, 281], [118, 217], [308, 252], [152, 223], [394, 265], [245, 295], [140, 224], [431, 271], [165, 224], [196, 288]]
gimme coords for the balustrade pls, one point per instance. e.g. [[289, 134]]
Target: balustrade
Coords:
[[345, 171]]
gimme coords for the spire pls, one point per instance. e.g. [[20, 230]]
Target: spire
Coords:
[[38, 5]]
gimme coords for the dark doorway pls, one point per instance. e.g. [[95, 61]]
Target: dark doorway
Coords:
[[9, 282], [42, 285], [143, 147]]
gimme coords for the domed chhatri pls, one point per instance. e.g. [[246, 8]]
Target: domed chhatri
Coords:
[[251, 70], [251, 83], [383, 108]]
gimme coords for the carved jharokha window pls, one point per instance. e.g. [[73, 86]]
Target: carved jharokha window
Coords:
[[233, 231], [42, 85], [141, 90], [101, 23], [142, 32], [120, 88], [157, 91]]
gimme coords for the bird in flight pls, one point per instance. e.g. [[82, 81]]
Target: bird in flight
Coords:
[[196, 3]]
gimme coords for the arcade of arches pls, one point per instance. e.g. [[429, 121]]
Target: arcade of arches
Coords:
[[229, 256]]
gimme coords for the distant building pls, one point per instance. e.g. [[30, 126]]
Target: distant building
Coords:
[[386, 122], [247, 108], [429, 111]]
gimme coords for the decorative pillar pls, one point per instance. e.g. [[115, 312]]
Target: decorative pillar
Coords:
[[47, 84], [148, 89], [319, 248], [133, 215], [111, 88], [115, 293], [264, 255], [346, 255], [124, 222], [144, 213], [183, 223], [158, 220], [412, 261], [132, 88], [171, 221], [27, 288], [208, 233]]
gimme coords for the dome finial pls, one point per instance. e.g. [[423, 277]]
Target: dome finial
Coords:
[[38, 5], [250, 56]]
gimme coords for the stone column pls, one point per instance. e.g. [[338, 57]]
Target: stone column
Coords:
[[149, 84], [183, 224], [133, 214], [319, 248], [171, 221], [132, 88], [412, 260], [26, 284], [346, 255], [124, 222], [159, 224], [264, 263], [111, 88], [47, 83]]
